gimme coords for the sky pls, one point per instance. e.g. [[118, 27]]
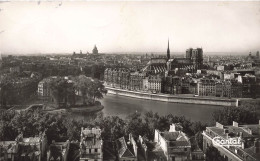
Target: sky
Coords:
[[64, 27]]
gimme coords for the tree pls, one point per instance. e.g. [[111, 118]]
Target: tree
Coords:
[[83, 84], [227, 115], [5, 96], [135, 125], [112, 127], [90, 89], [151, 123], [62, 91], [96, 90]]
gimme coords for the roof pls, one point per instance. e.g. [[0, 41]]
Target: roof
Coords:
[[176, 139], [109, 151], [250, 132], [123, 150], [233, 130], [32, 139], [57, 150], [155, 152], [251, 151], [9, 146]]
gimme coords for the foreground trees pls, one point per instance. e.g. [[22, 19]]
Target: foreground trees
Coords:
[[61, 127]]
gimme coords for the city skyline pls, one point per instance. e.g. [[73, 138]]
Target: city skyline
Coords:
[[64, 27]]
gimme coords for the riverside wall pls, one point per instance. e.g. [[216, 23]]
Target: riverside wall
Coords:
[[173, 98]]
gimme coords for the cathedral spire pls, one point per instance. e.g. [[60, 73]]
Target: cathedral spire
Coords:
[[168, 51]]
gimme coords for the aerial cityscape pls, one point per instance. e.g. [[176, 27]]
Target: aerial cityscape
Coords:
[[129, 81]]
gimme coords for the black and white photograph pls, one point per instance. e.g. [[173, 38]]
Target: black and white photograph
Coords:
[[129, 80]]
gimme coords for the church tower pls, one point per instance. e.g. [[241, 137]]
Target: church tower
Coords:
[[168, 51]]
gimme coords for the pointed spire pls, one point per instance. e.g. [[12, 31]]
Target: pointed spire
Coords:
[[168, 44], [168, 50]]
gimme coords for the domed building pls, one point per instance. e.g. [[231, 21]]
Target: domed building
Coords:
[[95, 50]]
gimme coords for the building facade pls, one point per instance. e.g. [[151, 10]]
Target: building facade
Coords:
[[91, 145], [24, 149], [247, 150], [174, 144]]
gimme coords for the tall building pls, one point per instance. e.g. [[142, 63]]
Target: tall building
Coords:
[[168, 51], [95, 50]]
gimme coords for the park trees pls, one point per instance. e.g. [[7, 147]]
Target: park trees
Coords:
[[83, 85], [96, 90], [241, 115], [90, 89], [62, 91]]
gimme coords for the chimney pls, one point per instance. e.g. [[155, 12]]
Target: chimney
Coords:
[[241, 135], [235, 124], [243, 144], [219, 125], [250, 131], [225, 131]]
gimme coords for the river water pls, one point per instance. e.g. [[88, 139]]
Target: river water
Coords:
[[122, 106]]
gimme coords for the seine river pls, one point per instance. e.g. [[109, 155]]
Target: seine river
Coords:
[[122, 106]]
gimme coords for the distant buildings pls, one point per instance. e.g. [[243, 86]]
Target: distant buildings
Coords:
[[95, 50], [157, 78], [17, 88], [154, 76], [247, 150], [44, 88]]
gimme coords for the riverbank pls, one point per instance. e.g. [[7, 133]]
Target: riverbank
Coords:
[[174, 98], [81, 110]]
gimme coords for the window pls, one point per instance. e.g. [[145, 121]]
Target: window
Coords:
[[96, 150], [89, 150]]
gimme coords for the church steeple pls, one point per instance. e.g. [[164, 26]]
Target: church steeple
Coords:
[[168, 51]]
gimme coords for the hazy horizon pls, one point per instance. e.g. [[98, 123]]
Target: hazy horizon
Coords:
[[135, 53], [129, 27]]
